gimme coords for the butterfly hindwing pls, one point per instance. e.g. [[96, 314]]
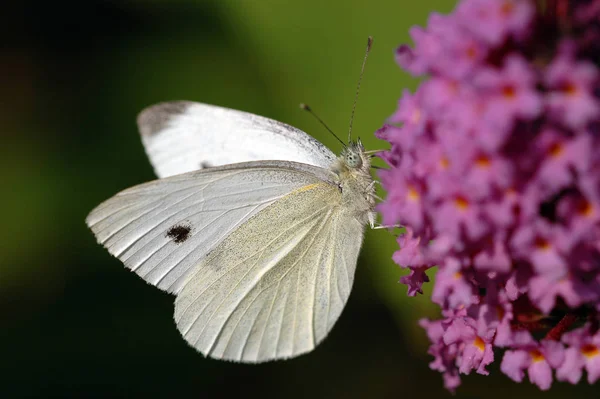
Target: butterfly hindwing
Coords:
[[183, 136], [274, 288]]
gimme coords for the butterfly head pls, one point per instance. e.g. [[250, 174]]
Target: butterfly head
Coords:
[[353, 159], [353, 156]]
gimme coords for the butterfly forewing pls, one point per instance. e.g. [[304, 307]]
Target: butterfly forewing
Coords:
[[275, 286], [163, 229]]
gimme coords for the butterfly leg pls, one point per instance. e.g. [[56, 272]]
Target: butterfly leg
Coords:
[[371, 187], [373, 153], [392, 226]]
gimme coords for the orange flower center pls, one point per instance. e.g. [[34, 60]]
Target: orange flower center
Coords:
[[542, 244], [509, 91], [585, 209], [483, 162], [556, 150], [453, 86], [590, 350], [569, 89], [536, 356], [444, 163], [471, 52], [507, 8], [461, 203], [413, 194], [479, 344], [510, 192], [415, 116]]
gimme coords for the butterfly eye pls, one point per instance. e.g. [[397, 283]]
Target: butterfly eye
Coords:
[[353, 160]]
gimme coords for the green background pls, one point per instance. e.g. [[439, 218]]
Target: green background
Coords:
[[74, 75]]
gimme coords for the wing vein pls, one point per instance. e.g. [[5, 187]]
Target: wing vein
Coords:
[[132, 192], [237, 265], [250, 290], [198, 202], [241, 318], [205, 226], [262, 335], [330, 268], [156, 204], [223, 301], [227, 232], [312, 319], [296, 297]]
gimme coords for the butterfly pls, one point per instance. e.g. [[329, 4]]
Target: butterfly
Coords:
[[253, 225]]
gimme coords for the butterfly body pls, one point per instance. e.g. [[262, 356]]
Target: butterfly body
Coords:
[[353, 169]]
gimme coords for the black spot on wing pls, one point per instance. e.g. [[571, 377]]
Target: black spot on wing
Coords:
[[179, 233], [205, 165], [157, 117]]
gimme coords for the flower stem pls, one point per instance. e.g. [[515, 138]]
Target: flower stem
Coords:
[[561, 327]]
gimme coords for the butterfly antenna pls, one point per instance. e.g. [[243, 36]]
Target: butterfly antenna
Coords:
[[362, 70], [310, 111]]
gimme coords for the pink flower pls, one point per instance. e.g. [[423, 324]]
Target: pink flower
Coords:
[[496, 314], [459, 214], [489, 174], [413, 118], [560, 157], [452, 287], [545, 246], [440, 94], [444, 355], [543, 292], [495, 174], [403, 203], [493, 257], [571, 99], [410, 255], [538, 360], [476, 351], [429, 45], [510, 93], [581, 211], [496, 20], [583, 351]]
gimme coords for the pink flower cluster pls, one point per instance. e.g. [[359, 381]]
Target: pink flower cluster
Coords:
[[495, 174]]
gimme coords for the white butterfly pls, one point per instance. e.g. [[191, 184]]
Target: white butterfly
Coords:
[[254, 225], [261, 254]]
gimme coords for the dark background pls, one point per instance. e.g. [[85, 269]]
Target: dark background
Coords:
[[74, 75]]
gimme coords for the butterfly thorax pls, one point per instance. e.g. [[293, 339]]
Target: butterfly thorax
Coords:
[[353, 168]]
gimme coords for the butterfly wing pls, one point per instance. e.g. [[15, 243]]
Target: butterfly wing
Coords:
[[163, 229], [275, 286], [183, 136]]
